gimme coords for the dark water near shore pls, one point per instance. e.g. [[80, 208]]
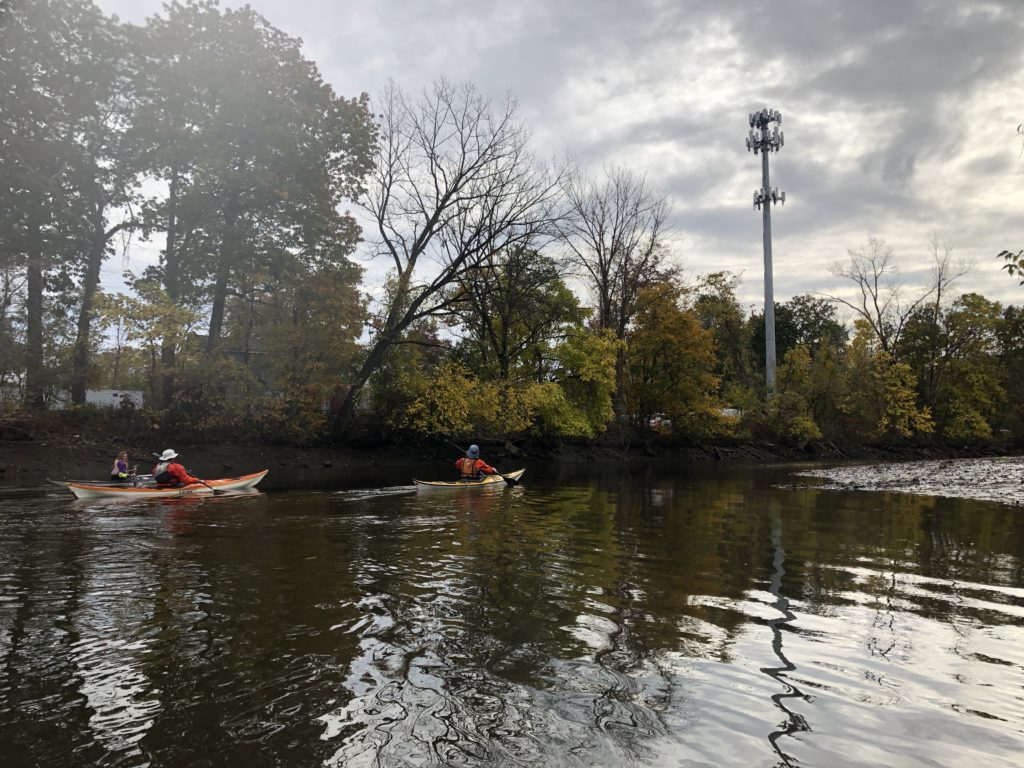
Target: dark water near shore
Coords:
[[705, 617]]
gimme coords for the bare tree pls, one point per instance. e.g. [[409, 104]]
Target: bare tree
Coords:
[[455, 183], [615, 235], [880, 301]]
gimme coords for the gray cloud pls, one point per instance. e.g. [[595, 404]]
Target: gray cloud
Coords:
[[891, 109]]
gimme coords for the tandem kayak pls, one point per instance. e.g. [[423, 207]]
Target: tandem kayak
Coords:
[[487, 481], [112, 491]]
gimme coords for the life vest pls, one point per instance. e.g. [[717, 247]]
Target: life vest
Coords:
[[161, 476], [468, 469]]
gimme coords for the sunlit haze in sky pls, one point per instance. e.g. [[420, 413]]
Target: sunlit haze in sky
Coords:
[[900, 118]]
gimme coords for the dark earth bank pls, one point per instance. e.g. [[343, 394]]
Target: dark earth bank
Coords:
[[66, 450]]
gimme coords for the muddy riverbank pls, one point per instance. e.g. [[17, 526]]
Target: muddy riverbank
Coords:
[[87, 454], [999, 479]]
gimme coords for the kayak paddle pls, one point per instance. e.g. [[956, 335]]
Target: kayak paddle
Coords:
[[214, 490]]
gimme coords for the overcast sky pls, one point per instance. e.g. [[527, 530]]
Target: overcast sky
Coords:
[[900, 116]]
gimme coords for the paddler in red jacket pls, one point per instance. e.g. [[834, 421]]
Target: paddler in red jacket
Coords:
[[472, 467], [168, 473]]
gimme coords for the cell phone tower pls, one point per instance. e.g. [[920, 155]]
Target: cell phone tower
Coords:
[[761, 139]]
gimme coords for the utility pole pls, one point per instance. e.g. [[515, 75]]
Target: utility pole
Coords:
[[764, 141]]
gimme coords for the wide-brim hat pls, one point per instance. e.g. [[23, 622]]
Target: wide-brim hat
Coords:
[[168, 455]]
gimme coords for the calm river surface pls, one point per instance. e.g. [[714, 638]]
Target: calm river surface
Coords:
[[660, 616]]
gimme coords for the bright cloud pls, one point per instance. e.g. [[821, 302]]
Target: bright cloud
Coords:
[[899, 118]]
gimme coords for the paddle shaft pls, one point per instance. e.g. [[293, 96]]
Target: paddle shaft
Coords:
[[214, 490]]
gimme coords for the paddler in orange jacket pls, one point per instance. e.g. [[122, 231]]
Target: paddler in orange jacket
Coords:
[[472, 467], [168, 473]]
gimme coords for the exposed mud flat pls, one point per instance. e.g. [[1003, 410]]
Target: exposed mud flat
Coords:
[[999, 479]]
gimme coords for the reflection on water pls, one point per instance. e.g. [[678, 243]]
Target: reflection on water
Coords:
[[793, 722], [633, 617]]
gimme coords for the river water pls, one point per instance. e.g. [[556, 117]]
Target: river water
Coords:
[[609, 616]]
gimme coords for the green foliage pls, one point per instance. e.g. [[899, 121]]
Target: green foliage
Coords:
[[740, 397], [297, 418], [254, 156], [1014, 263], [214, 396], [803, 320], [516, 308], [585, 372], [439, 402], [555, 415], [148, 318], [790, 417], [671, 361], [1009, 358], [720, 312], [880, 400], [972, 403], [449, 400], [260, 149], [900, 416], [446, 399], [788, 412], [825, 391], [65, 70], [300, 340], [952, 352]]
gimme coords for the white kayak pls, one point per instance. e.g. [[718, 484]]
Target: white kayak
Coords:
[[112, 491], [487, 481]]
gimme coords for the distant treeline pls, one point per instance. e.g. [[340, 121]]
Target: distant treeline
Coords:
[[522, 298]]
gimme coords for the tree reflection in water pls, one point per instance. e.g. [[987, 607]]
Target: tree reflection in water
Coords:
[[606, 619]]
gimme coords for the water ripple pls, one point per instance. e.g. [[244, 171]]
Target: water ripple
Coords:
[[648, 621]]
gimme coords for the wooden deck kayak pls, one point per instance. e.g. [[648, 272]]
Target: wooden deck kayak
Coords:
[[487, 481], [109, 491]]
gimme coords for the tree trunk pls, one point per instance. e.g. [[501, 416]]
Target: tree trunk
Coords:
[[90, 283], [34, 319], [343, 419], [220, 287], [220, 293], [391, 333], [10, 367], [115, 371], [621, 324], [618, 399], [167, 349]]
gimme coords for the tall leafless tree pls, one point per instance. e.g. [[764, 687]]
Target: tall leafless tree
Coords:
[[880, 298], [455, 183], [616, 236]]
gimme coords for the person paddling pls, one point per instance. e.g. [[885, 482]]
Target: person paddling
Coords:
[[119, 469], [170, 474], [472, 467]]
